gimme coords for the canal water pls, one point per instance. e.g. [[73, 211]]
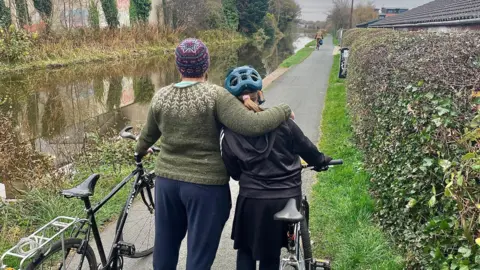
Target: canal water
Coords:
[[54, 109]]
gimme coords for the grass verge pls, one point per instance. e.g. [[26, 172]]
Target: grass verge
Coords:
[[342, 207], [297, 58]]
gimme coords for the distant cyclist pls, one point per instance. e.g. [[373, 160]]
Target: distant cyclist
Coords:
[[319, 39], [268, 169]]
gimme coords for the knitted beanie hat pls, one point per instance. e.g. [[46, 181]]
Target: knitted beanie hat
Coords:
[[192, 58]]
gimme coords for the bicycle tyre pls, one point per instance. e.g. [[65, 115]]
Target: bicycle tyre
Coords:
[[149, 221], [70, 243], [306, 244]]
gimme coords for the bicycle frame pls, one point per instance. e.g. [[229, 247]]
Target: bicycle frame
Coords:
[[110, 263], [295, 238]]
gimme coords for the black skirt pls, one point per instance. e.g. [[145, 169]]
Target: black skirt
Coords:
[[255, 229]]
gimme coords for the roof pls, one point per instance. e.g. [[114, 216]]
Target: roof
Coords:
[[365, 24], [437, 12]]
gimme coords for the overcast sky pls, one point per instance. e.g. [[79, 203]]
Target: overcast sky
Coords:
[[315, 10]]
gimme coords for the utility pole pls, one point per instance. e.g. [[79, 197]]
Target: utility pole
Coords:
[[351, 16]]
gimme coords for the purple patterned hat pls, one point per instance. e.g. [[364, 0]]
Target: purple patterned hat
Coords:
[[192, 58]]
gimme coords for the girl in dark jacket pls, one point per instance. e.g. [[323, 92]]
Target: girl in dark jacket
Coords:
[[268, 169]]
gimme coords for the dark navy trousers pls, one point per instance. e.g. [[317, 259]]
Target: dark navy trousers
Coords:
[[202, 210]]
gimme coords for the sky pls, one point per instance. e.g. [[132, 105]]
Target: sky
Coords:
[[315, 10]]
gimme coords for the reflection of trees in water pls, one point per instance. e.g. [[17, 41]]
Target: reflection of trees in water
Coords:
[[32, 114], [222, 59], [269, 58], [143, 89], [114, 93], [98, 89], [53, 119]]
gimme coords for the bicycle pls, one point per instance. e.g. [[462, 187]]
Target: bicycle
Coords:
[[299, 249], [42, 247]]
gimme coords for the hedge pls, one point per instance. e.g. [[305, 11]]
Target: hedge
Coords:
[[414, 116]]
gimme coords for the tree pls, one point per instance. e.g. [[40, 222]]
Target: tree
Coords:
[[251, 14], [231, 14], [285, 11], [339, 15], [93, 15], [140, 10], [364, 13], [5, 15], [22, 12], [143, 90], [215, 17], [185, 13], [44, 7], [111, 12]]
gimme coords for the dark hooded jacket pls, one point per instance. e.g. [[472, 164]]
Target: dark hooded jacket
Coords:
[[269, 166]]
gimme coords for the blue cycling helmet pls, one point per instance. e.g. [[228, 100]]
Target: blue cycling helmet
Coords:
[[241, 79]]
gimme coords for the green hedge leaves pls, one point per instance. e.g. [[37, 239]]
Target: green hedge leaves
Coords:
[[410, 96]]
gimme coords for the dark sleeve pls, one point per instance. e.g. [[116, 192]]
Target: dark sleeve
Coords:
[[304, 147], [229, 158]]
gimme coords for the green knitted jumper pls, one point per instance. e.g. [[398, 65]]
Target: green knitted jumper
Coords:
[[188, 117]]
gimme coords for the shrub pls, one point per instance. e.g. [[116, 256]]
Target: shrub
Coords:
[[231, 14], [93, 15], [215, 18], [409, 96], [259, 38], [15, 45], [20, 165]]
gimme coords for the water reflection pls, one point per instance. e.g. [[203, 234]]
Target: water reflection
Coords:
[[54, 109]]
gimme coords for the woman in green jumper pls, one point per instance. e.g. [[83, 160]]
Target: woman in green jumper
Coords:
[[191, 190]]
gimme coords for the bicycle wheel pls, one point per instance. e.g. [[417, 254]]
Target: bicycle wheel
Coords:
[[305, 249], [53, 257], [139, 228]]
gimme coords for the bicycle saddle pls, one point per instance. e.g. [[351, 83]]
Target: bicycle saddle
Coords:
[[85, 189], [289, 213]]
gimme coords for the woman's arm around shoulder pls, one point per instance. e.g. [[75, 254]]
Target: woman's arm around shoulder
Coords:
[[233, 114]]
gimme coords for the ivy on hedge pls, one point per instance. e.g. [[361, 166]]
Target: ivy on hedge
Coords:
[[413, 115]]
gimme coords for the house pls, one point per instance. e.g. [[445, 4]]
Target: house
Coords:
[[382, 13], [390, 12], [367, 24], [436, 16]]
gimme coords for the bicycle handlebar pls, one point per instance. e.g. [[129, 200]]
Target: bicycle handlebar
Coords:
[[331, 163], [126, 134]]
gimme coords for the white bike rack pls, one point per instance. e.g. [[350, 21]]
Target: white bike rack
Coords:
[[27, 247]]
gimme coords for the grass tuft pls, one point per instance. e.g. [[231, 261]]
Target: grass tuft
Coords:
[[342, 208], [297, 58]]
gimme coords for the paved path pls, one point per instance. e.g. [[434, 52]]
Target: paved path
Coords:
[[303, 87]]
